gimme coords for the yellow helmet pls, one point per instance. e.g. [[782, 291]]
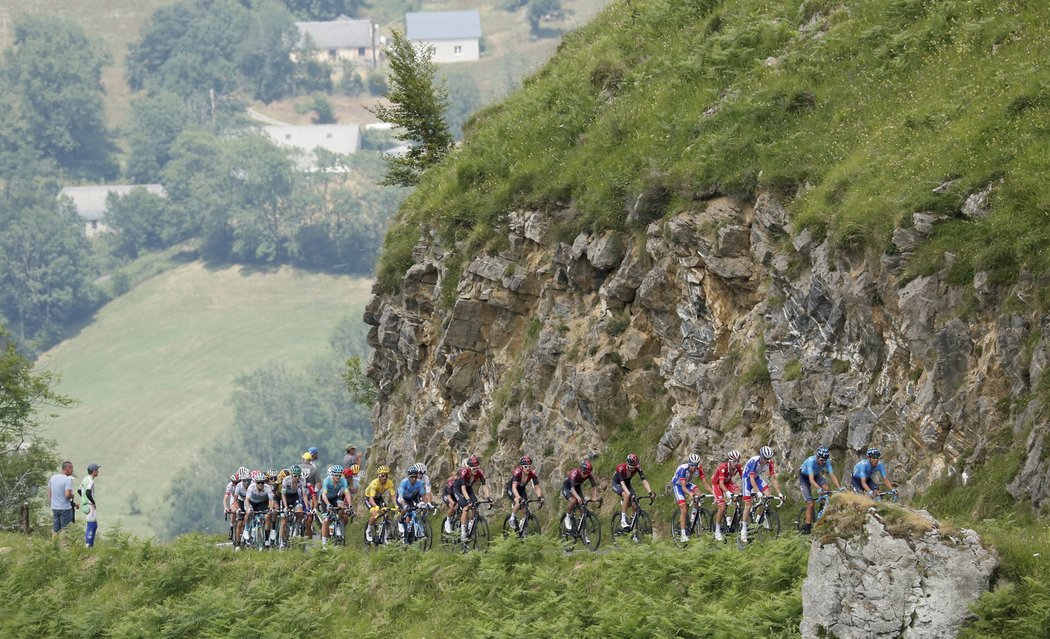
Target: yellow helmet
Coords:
[[307, 457], [355, 469], [383, 470]]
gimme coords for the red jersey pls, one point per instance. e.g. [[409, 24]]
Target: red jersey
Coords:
[[625, 473], [520, 477], [724, 474], [576, 477], [471, 475]]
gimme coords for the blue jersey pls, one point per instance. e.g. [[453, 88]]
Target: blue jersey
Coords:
[[683, 472], [813, 466], [332, 489], [864, 469], [755, 466], [407, 490]]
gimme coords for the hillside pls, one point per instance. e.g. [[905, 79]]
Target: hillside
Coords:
[[155, 371]]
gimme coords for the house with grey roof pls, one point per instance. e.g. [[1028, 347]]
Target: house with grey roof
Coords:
[[342, 139], [341, 39], [453, 36], [90, 202]]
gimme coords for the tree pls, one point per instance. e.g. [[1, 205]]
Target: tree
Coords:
[[325, 9], [419, 106], [264, 54], [157, 120], [25, 457], [537, 10], [53, 73], [143, 221]]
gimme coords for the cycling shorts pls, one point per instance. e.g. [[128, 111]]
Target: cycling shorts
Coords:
[[240, 505], [521, 491], [292, 499], [762, 486], [463, 501], [258, 506], [618, 489], [858, 487], [680, 496], [807, 488], [566, 489], [720, 495]]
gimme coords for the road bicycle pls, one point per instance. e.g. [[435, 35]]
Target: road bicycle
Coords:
[[415, 527], [336, 528], [477, 537], [820, 505], [697, 521], [730, 523], [584, 528], [528, 525], [763, 520], [382, 530], [639, 525], [255, 530]]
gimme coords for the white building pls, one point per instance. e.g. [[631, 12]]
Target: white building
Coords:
[[343, 139], [454, 36], [341, 39], [90, 201]]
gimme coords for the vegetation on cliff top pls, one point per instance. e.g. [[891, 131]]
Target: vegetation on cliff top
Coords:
[[859, 112]]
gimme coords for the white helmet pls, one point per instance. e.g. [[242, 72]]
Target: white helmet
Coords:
[[243, 473], [694, 460], [766, 452], [733, 456]]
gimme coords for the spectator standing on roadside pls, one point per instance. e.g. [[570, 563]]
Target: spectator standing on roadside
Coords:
[[60, 495], [351, 458], [87, 503]]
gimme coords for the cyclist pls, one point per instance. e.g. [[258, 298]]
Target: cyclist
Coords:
[[409, 493], [237, 502], [374, 496], [515, 489], [754, 486], [228, 500], [448, 495], [723, 487], [291, 498], [810, 478], [333, 491], [422, 468], [683, 486], [621, 485], [572, 489], [865, 470], [463, 489], [309, 496], [257, 498], [310, 471]]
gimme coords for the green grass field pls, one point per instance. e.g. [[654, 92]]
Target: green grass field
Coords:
[[154, 372]]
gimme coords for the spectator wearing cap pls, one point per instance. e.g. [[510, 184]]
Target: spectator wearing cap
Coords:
[[87, 503], [351, 458], [60, 495]]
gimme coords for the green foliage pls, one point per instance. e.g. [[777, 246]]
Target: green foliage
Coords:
[[25, 456], [757, 367], [321, 10], [143, 221], [537, 10], [51, 77], [792, 370], [189, 588], [362, 390], [157, 120], [418, 108], [844, 106], [321, 107]]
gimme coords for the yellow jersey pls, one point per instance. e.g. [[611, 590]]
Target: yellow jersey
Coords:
[[376, 488]]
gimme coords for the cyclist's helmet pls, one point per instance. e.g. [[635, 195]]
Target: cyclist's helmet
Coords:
[[874, 453], [413, 471], [348, 473], [296, 470], [586, 466], [233, 478], [356, 469], [243, 473], [271, 474], [257, 476], [473, 461], [383, 470], [823, 452], [694, 460], [525, 461], [632, 461], [422, 468], [335, 470], [766, 452], [733, 456]]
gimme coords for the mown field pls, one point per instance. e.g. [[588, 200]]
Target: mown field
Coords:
[[154, 372]]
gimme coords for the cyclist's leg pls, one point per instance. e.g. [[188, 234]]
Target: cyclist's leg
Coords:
[[680, 499], [807, 496]]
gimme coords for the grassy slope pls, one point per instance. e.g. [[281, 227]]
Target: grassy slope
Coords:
[[189, 589], [155, 371], [854, 109]]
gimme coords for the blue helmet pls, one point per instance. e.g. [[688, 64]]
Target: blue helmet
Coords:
[[823, 452], [312, 450]]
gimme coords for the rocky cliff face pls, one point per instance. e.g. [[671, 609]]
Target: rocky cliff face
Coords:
[[899, 576], [714, 328]]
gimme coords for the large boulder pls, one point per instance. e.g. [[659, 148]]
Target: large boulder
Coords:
[[886, 572]]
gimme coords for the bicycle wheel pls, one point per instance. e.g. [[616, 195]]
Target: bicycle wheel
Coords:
[[676, 530], [616, 528], [479, 536], [643, 527], [424, 536], [259, 536], [800, 521], [508, 530], [449, 540], [388, 532], [705, 522], [531, 527], [591, 532]]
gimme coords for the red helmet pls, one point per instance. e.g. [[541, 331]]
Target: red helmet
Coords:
[[473, 461], [525, 461], [348, 472], [586, 466], [632, 461]]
